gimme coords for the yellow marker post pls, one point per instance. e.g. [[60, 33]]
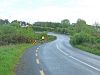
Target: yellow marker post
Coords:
[[42, 37]]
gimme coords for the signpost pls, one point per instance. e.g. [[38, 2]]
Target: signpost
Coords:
[[43, 38]]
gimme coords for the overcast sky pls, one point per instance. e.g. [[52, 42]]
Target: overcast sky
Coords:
[[50, 10]]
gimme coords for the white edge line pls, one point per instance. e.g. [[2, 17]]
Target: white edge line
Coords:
[[61, 50], [84, 63], [78, 59]]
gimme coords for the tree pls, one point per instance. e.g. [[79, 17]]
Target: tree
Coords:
[[6, 21], [97, 26], [81, 22], [82, 37], [14, 21], [65, 22], [80, 25], [2, 22]]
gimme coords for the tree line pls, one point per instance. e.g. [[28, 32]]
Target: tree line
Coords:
[[82, 35], [52, 26], [14, 33]]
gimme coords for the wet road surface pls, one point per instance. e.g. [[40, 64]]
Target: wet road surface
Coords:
[[58, 58]]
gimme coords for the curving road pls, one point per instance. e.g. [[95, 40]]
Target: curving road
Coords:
[[58, 58]]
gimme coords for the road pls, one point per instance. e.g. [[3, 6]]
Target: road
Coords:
[[58, 58]]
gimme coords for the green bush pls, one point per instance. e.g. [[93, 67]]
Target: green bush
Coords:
[[90, 48], [98, 40], [11, 35], [82, 37]]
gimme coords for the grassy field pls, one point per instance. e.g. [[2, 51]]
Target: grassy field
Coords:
[[94, 49], [13, 42], [9, 57]]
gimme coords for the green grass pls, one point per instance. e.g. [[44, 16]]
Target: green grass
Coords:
[[10, 54], [9, 57], [12, 35], [51, 38], [94, 49]]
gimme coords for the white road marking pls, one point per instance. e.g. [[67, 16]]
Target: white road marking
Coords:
[[36, 51], [61, 50], [97, 69], [37, 48], [42, 72], [84, 63], [36, 54], [37, 61]]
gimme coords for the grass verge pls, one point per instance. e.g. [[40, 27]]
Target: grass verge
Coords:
[[94, 49], [9, 57], [11, 54]]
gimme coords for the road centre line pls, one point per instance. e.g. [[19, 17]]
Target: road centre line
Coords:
[[42, 72], [97, 69], [37, 48], [36, 54], [36, 51], [37, 61]]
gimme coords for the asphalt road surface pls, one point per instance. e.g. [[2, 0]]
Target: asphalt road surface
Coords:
[[58, 58]]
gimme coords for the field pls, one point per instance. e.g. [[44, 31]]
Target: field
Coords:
[[14, 40], [9, 57]]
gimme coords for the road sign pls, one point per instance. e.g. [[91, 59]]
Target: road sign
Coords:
[[42, 37]]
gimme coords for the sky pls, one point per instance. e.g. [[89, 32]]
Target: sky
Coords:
[[50, 10]]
